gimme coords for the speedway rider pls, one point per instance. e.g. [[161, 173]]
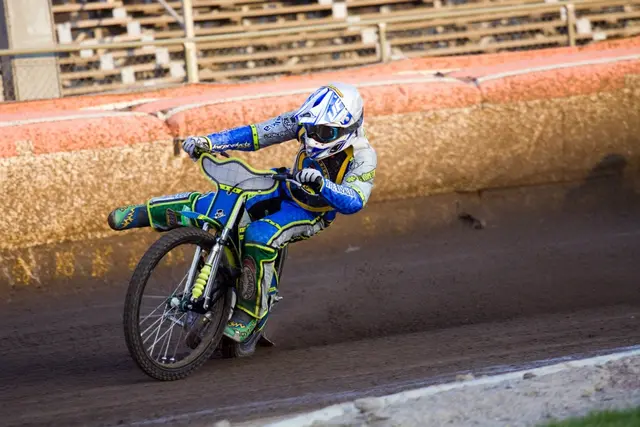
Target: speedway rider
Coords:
[[335, 161]]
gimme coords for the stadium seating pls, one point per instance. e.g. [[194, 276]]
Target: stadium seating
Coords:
[[438, 27]]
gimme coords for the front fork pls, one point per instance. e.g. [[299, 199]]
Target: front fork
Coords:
[[203, 284]]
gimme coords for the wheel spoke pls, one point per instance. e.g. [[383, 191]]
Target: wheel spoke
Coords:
[[156, 309], [184, 278], [157, 339], [159, 320], [167, 337], [175, 351], [174, 322], [177, 321], [165, 299], [157, 333]]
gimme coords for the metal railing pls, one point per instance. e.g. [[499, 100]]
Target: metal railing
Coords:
[[300, 47]]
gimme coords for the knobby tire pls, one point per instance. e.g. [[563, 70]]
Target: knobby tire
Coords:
[[169, 241]]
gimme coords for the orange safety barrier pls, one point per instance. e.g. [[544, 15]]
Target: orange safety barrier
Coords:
[[484, 121], [396, 88]]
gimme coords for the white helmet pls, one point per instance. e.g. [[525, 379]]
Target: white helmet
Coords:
[[329, 119]]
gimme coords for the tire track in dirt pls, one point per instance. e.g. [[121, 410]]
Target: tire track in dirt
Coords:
[[363, 314]]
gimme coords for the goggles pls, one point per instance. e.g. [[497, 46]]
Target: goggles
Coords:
[[327, 134]]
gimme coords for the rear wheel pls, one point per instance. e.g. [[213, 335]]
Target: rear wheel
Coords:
[[166, 342]]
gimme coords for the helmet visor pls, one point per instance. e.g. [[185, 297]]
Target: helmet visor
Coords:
[[323, 133]]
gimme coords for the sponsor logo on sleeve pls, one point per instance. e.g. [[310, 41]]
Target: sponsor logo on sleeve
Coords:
[[365, 177]]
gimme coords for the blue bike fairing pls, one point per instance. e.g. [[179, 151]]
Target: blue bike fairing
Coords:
[[290, 218], [254, 200], [204, 203], [218, 208]]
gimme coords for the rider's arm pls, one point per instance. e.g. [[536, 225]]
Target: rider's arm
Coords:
[[256, 136], [352, 195]]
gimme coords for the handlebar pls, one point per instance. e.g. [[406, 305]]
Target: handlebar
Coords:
[[287, 177], [216, 153], [280, 177], [283, 177]]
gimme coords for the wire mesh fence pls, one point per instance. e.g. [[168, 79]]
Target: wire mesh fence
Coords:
[[123, 45]]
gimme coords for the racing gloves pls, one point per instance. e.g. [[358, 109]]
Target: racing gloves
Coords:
[[310, 177], [195, 146]]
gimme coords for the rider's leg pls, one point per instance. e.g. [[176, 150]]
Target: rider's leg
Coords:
[[126, 217], [161, 213], [261, 240]]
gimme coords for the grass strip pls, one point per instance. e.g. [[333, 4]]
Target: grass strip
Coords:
[[624, 418]]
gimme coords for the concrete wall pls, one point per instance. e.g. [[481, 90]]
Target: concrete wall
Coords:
[[512, 119]]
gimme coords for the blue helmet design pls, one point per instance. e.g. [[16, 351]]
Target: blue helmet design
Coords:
[[329, 120]]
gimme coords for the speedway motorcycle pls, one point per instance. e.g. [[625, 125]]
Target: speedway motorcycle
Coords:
[[172, 332]]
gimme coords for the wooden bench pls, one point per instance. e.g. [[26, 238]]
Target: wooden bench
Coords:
[[239, 28], [237, 15], [114, 87], [285, 53], [304, 51], [287, 69], [156, 7], [541, 27], [132, 54], [101, 74], [477, 49], [68, 7]]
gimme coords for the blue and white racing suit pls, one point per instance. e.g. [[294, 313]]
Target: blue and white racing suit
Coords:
[[291, 213]]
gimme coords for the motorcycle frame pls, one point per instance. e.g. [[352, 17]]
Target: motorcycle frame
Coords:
[[215, 255], [222, 241]]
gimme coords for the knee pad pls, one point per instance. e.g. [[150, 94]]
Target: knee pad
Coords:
[[260, 232]]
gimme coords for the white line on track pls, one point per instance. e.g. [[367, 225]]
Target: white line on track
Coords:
[[429, 77], [557, 67], [545, 367], [121, 105], [326, 414], [308, 90], [71, 117]]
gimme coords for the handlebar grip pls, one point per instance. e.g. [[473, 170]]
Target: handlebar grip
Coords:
[[200, 151], [282, 176]]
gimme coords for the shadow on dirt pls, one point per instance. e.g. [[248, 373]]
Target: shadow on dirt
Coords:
[[611, 184]]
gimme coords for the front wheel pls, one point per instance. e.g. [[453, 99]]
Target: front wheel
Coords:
[[166, 342]]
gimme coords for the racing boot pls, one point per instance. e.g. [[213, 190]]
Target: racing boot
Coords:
[[253, 291], [127, 217], [240, 326]]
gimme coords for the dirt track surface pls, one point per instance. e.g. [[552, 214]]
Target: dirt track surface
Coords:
[[362, 315]]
